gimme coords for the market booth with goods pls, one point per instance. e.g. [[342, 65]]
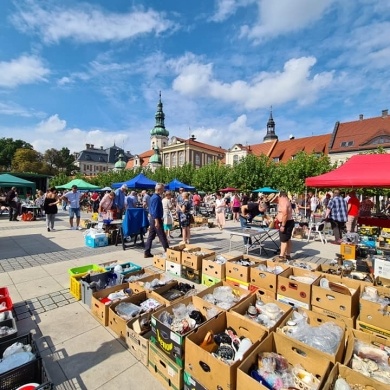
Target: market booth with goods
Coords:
[[203, 320]]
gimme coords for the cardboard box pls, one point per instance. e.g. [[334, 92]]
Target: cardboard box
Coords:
[[264, 279], [143, 284], [173, 267], [174, 253], [159, 262], [171, 342], [213, 269], [163, 292], [311, 361], [241, 272], [100, 303], [117, 323], [96, 242], [368, 328], [238, 292], [164, 369], [242, 308], [292, 302], [332, 316], [306, 265], [316, 319], [374, 313], [292, 288], [341, 303], [190, 383], [209, 280], [352, 378], [202, 364], [192, 256], [237, 283], [262, 291], [191, 274], [348, 251], [382, 268]]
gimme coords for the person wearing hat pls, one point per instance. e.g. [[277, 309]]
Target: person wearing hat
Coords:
[[120, 200], [72, 198]]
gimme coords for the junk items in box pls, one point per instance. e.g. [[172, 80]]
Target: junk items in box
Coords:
[[192, 256], [8, 328], [375, 306], [175, 291], [223, 295], [276, 363], [95, 238], [171, 325], [369, 355], [265, 274], [119, 313], [215, 350], [215, 267], [265, 311], [315, 332], [239, 269]]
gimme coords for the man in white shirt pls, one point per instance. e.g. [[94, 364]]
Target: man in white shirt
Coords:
[[73, 198]]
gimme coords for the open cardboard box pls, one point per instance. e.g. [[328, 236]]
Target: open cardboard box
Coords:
[[171, 342], [264, 279], [192, 256], [211, 268], [242, 307], [214, 373], [241, 272], [159, 261], [311, 361], [332, 316], [372, 329], [163, 292], [316, 319], [352, 378]]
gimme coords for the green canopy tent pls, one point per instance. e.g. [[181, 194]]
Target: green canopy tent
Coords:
[[80, 183], [7, 181]]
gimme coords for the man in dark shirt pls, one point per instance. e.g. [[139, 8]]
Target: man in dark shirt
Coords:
[[12, 204], [156, 221], [248, 212]]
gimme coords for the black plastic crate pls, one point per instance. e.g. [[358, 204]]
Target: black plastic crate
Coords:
[[10, 323], [24, 339], [100, 281], [31, 372]]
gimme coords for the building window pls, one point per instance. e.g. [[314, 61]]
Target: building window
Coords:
[[181, 158], [346, 144], [383, 139], [173, 159], [209, 159], [275, 159], [167, 160], [197, 159], [235, 159]]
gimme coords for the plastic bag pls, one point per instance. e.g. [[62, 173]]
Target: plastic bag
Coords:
[[16, 348]]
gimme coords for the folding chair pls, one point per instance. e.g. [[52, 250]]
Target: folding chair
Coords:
[[317, 229]]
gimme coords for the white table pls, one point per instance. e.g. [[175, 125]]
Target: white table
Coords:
[[258, 236]]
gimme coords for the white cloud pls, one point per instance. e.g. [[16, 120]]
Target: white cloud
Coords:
[[88, 24], [51, 125], [293, 83], [227, 8], [278, 17], [22, 70], [13, 109]]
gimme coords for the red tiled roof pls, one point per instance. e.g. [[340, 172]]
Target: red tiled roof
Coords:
[[144, 159], [360, 132], [263, 148], [285, 150]]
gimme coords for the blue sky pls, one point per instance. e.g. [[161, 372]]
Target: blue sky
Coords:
[[75, 72]]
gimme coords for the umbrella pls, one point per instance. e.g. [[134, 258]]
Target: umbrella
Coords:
[[229, 189], [175, 185], [266, 190], [80, 183], [106, 189]]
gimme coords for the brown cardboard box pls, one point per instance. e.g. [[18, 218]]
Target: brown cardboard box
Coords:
[[368, 328], [159, 262], [293, 289], [241, 272], [352, 378], [171, 342], [348, 251], [316, 319], [209, 281], [192, 256], [292, 302], [238, 292], [192, 275], [174, 253], [162, 291], [262, 291], [173, 268], [344, 304], [311, 361], [211, 268], [190, 383], [237, 283], [100, 309], [332, 316], [374, 313], [308, 265], [241, 309], [264, 279], [117, 323], [202, 364], [164, 369]]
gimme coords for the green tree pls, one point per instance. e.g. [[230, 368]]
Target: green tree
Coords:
[[211, 177], [8, 147], [28, 160]]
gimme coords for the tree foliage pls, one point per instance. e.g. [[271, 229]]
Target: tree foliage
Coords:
[[28, 160], [8, 147]]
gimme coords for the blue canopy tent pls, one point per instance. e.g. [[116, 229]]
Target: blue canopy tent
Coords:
[[266, 190], [139, 181], [175, 185]]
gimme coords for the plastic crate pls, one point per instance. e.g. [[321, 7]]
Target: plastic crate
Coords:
[[86, 291], [75, 286], [10, 323], [4, 292], [8, 304], [24, 339], [126, 267], [85, 269]]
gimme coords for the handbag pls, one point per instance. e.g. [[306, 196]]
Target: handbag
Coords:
[[277, 224]]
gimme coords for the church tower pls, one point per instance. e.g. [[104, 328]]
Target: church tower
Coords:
[[270, 136], [159, 135]]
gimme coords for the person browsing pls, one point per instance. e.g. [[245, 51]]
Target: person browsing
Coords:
[[120, 198], [73, 198]]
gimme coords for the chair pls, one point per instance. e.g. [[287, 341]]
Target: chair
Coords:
[[317, 229]]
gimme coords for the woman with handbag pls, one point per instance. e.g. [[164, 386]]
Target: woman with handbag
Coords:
[[185, 218]]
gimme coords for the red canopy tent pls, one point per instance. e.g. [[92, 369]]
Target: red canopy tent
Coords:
[[363, 170]]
